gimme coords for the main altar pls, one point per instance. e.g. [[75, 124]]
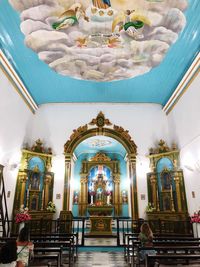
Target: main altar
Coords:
[[100, 220]]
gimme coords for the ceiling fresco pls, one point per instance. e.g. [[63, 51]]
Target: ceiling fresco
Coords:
[[101, 40], [100, 143], [115, 51]]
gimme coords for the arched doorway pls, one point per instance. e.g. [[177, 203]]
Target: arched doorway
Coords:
[[101, 126]]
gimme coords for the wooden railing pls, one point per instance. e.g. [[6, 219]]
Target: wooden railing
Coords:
[[120, 228]]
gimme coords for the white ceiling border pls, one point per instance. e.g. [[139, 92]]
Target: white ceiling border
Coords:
[[183, 85], [19, 85]]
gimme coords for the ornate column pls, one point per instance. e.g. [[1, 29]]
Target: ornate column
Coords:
[[178, 193], [83, 195], [47, 181], [153, 190], [117, 195], [66, 197], [23, 178], [133, 186]]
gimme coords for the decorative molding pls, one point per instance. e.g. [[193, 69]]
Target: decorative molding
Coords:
[[100, 121], [183, 85], [100, 157], [17, 82]]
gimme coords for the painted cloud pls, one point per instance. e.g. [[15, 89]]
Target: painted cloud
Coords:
[[102, 40]]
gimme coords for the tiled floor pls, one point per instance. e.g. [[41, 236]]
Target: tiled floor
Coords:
[[101, 259]]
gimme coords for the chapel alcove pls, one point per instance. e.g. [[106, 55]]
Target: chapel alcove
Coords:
[[100, 176], [79, 199], [166, 188], [34, 187]]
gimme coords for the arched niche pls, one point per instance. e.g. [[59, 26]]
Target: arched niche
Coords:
[[100, 160], [34, 188], [166, 188], [101, 126]]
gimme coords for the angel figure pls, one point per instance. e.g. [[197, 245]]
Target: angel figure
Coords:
[[70, 17], [132, 23]]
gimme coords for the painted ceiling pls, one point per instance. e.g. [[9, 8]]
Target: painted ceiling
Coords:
[[100, 50], [102, 144]]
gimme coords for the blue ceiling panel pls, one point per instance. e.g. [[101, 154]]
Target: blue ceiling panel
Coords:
[[47, 86]]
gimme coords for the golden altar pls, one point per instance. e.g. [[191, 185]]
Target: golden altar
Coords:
[[100, 219]]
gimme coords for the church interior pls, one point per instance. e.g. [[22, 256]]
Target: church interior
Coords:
[[100, 131]]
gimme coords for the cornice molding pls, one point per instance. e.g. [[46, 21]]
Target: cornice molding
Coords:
[[184, 84], [17, 82]]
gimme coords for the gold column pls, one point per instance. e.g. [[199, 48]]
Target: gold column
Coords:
[[23, 178], [153, 190], [47, 181], [177, 183], [117, 195], [66, 197], [133, 186], [83, 196]]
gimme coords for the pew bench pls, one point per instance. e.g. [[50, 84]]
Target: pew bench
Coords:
[[172, 258]]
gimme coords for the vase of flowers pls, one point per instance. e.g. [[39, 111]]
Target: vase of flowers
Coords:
[[150, 207], [92, 194], [51, 207], [22, 217]]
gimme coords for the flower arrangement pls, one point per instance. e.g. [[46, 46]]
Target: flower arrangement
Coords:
[[150, 208], [23, 215], [51, 207], [195, 218]]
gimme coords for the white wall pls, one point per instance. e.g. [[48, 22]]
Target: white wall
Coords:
[[54, 124], [14, 116], [184, 127]]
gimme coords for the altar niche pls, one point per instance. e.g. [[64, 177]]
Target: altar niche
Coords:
[[166, 189], [34, 188], [100, 184]]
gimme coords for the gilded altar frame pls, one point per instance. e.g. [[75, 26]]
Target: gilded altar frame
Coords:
[[102, 126], [113, 165], [30, 192], [166, 188]]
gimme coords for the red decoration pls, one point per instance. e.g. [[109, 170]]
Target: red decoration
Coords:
[[23, 215]]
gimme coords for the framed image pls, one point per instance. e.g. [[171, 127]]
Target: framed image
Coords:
[[124, 197], [76, 197], [142, 196], [58, 196], [193, 194]]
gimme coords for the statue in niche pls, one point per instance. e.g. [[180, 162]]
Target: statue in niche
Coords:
[[166, 180], [33, 204], [166, 203], [35, 179]]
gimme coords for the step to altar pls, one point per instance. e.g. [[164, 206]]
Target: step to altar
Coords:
[[101, 241]]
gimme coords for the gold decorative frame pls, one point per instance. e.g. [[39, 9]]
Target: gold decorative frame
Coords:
[[98, 127], [113, 165]]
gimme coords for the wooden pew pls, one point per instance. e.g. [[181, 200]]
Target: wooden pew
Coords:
[[66, 245], [39, 257], [175, 257]]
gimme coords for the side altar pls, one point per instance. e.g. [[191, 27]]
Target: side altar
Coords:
[[100, 219]]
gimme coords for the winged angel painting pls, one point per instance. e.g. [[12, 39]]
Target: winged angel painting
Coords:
[[101, 40]]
